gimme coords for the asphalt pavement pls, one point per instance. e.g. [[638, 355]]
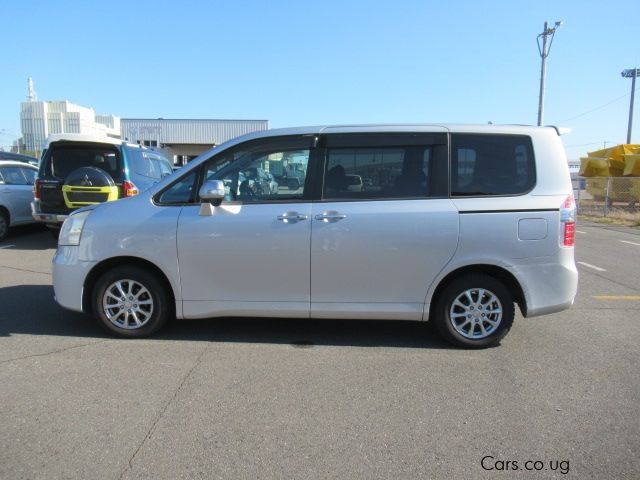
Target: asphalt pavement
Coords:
[[275, 398]]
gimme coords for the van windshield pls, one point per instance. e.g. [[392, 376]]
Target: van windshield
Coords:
[[66, 159]]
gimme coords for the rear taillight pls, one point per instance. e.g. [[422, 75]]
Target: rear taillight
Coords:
[[129, 189], [568, 222], [569, 234], [37, 186]]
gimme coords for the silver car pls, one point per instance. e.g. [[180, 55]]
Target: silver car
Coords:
[[457, 225], [16, 194]]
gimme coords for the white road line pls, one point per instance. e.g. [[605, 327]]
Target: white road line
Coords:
[[592, 266], [7, 246], [630, 243], [580, 231]]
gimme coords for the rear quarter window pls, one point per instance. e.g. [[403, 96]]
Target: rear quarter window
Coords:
[[491, 165]]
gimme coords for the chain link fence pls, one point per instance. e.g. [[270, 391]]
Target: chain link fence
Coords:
[[615, 197]]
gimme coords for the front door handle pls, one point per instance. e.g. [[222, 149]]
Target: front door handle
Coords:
[[292, 217], [330, 217]]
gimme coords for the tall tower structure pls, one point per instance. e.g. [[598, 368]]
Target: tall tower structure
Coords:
[[31, 96]]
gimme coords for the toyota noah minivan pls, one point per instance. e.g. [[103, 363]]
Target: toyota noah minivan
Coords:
[[455, 224]]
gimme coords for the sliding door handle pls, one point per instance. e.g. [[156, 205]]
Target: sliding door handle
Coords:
[[330, 216]]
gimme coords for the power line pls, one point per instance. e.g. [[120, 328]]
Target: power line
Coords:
[[585, 144], [597, 108]]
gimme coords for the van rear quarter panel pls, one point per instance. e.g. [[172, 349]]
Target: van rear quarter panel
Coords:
[[516, 232]]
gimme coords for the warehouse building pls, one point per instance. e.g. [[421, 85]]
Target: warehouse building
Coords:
[[184, 139]]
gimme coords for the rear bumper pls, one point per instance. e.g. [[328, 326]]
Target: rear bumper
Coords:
[[50, 218], [548, 287], [69, 275]]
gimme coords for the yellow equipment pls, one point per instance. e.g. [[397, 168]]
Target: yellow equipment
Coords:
[[618, 161]]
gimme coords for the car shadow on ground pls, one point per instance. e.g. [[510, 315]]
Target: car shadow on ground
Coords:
[[29, 237], [32, 310]]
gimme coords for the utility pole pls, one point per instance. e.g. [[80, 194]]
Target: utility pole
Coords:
[[631, 73], [544, 50]]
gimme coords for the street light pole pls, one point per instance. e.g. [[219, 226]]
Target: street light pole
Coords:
[[631, 73], [544, 53]]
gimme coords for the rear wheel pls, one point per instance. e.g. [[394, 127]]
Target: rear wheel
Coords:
[[474, 311], [4, 225], [130, 302]]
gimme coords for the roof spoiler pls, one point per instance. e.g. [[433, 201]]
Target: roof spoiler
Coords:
[[561, 130]]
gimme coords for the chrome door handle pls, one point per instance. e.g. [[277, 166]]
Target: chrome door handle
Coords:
[[292, 217], [330, 217]]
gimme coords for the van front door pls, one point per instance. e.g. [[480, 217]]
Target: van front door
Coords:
[[251, 256]]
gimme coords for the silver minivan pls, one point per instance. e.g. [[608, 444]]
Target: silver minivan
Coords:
[[453, 223]]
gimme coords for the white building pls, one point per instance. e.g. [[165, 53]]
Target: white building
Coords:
[[39, 119]]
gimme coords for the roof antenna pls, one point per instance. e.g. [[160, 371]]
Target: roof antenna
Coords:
[[32, 97]]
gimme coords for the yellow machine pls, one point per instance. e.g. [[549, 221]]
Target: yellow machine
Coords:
[[619, 161]]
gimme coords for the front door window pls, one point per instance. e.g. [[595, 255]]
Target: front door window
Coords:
[[262, 175]]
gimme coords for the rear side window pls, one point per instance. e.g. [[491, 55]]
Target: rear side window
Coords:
[[148, 164], [30, 174], [490, 165], [390, 167], [15, 176], [65, 159], [377, 172]]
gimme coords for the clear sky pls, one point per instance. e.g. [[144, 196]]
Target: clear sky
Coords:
[[306, 63]]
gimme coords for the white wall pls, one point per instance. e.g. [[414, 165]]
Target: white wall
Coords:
[[39, 119]]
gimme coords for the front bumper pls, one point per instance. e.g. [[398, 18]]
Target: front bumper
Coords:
[[51, 218], [69, 275]]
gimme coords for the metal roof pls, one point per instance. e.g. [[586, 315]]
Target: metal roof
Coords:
[[400, 128], [188, 131], [16, 163]]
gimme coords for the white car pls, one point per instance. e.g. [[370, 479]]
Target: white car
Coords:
[[16, 194], [458, 225]]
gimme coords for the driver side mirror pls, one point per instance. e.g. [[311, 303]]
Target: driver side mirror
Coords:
[[211, 194], [212, 191]]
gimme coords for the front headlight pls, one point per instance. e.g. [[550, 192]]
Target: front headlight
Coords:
[[72, 228]]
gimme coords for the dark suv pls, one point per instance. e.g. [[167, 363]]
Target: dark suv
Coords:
[[78, 172]]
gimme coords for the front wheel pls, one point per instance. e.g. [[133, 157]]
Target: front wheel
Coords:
[[474, 311], [130, 302]]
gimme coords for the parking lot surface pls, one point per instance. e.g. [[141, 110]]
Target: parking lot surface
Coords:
[[271, 398]]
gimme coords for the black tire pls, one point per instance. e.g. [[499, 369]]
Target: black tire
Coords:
[[4, 225], [471, 327], [130, 276], [293, 184]]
